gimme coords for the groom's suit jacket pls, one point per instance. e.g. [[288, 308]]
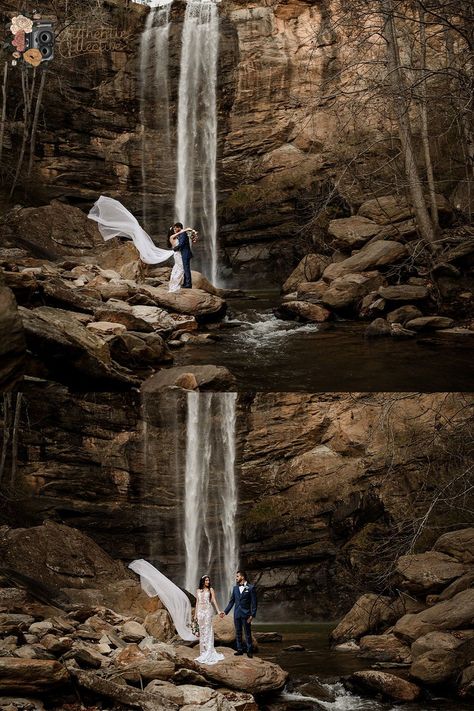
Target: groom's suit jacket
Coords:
[[244, 603], [184, 246]]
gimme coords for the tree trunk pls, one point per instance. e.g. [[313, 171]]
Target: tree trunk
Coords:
[[4, 108], [424, 124], [401, 107], [34, 126]]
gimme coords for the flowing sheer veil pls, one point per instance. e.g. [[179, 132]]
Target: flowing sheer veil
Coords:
[[114, 220], [173, 598]]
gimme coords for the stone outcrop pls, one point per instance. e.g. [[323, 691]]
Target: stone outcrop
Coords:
[[12, 340]]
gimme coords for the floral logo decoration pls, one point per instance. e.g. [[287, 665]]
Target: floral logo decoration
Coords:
[[20, 27]]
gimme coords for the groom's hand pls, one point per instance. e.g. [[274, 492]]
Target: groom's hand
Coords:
[[221, 615], [249, 619]]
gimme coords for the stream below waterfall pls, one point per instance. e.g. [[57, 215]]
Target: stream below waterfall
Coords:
[[315, 673], [268, 354]]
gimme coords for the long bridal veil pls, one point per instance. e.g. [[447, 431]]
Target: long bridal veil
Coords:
[[173, 598], [114, 220]]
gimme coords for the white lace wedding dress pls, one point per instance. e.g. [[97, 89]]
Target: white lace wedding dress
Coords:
[[177, 273], [205, 613]]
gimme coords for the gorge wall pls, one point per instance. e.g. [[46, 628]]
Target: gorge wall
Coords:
[[331, 487], [287, 146]]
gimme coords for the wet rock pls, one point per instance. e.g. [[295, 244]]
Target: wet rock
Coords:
[[456, 331], [127, 318], [403, 314], [310, 269], [438, 657], [390, 686], [23, 285], [349, 288], [30, 676], [295, 648], [138, 350], [11, 623], [394, 208], [397, 331], [463, 583], [466, 686], [352, 232], [135, 663], [306, 311], [56, 645], [133, 631], [69, 350], [428, 572], [373, 255], [429, 323], [455, 613], [254, 676], [12, 340], [384, 648], [378, 327], [403, 292], [370, 613], [57, 293], [159, 625], [106, 328], [308, 291], [192, 302], [208, 377], [457, 544]]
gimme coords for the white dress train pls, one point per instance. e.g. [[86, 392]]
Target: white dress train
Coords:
[[173, 598], [114, 220], [205, 613]]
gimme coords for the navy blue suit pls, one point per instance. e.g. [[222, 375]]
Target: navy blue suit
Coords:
[[184, 246], [245, 605]]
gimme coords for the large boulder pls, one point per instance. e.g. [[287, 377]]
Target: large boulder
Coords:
[[139, 350], [428, 572], [12, 341], [190, 377], [58, 556], [458, 544], [439, 656], [456, 613], [254, 676], [403, 292], [193, 302], [309, 269], [305, 311], [369, 614], [31, 676], [388, 685], [429, 323], [52, 231], [349, 288], [352, 232], [71, 352], [56, 292], [394, 208], [384, 648], [463, 583], [404, 314], [373, 255]]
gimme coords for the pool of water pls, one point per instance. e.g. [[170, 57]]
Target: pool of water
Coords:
[[315, 673], [266, 353]]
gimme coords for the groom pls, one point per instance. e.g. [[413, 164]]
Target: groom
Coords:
[[244, 598], [184, 246]]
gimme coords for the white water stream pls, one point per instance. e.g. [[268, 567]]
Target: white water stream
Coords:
[[210, 498], [195, 202]]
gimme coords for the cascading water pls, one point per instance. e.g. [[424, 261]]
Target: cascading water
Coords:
[[197, 126], [154, 98], [210, 497]]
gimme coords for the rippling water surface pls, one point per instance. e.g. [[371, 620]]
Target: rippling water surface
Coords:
[[269, 354], [315, 673]]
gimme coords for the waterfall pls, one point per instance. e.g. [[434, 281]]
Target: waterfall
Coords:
[[197, 126], [210, 497], [154, 97]]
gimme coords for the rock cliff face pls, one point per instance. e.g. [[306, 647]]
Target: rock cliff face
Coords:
[[280, 148], [324, 481]]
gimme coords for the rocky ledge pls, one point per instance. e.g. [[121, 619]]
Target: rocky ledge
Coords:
[[375, 268], [87, 314], [426, 632], [74, 621]]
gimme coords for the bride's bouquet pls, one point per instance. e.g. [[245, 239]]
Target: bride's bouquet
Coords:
[[195, 627]]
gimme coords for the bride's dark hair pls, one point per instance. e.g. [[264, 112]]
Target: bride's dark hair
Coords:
[[201, 582], [170, 232]]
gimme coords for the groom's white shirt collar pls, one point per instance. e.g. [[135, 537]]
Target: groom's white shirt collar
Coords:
[[242, 586]]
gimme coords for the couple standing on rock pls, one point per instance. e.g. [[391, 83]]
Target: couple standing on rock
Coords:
[[243, 599], [114, 220]]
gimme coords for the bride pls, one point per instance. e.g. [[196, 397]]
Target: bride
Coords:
[[178, 605], [114, 220]]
